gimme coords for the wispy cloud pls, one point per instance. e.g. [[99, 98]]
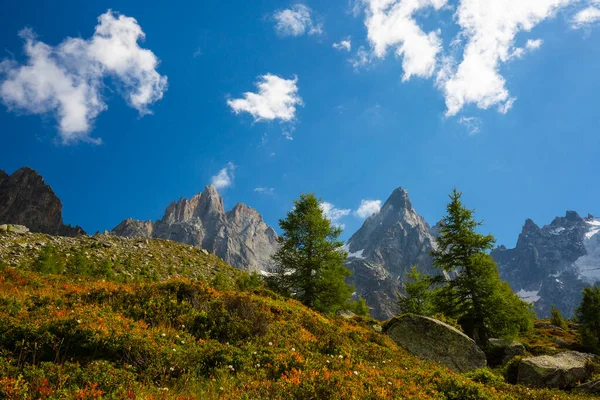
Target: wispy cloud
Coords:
[[265, 190], [225, 177], [472, 124], [296, 21], [67, 80], [345, 44], [334, 214], [277, 98], [367, 208], [586, 17]]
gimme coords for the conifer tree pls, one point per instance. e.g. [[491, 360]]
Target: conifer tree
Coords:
[[588, 317], [484, 305], [309, 265], [419, 294]]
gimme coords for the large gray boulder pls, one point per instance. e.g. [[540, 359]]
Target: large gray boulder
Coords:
[[430, 339], [563, 371]]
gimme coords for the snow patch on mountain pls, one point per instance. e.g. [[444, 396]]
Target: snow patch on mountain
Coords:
[[357, 254], [588, 266], [529, 297]]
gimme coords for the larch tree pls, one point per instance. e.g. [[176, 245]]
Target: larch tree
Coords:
[[484, 305], [310, 264]]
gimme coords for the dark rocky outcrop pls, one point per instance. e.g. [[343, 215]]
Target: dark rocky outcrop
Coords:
[[240, 236], [592, 387], [430, 339], [500, 352], [551, 265], [383, 250], [25, 199], [563, 371]]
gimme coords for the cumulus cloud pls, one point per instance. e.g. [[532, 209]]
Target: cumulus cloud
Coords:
[[392, 24], [264, 190], [489, 28], [277, 98], [334, 214], [224, 178], [586, 17], [367, 208], [345, 44], [296, 21], [67, 80], [468, 73]]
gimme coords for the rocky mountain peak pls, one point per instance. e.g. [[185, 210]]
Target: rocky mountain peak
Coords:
[[211, 203], [240, 236], [384, 249], [399, 200], [551, 265], [25, 199]]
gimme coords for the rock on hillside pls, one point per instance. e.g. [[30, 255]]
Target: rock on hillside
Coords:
[[551, 265], [384, 249], [434, 340], [25, 199], [564, 370], [240, 236]]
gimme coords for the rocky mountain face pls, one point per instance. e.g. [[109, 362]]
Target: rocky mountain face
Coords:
[[551, 265], [25, 199], [240, 236], [383, 250]]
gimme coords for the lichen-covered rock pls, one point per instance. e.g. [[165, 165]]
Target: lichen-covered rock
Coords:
[[503, 351], [564, 370], [430, 339]]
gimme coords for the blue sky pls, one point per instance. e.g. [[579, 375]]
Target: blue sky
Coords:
[[510, 117]]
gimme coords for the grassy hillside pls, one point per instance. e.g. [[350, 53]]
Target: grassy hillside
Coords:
[[163, 320]]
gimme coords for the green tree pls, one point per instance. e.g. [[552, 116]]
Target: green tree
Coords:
[[419, 293], [309, 265], [588, 317], [556, 318], [483, 305], [49, 261], [359, 307]]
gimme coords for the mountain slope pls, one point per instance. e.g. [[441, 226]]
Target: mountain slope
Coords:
[[217, 335], [25, 199], [240, 236], [383, 250], [551, 265]]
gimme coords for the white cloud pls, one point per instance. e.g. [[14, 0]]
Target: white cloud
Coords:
[[344, 45], [586, 17], [468, 73], [296, 21], [277, 98], [361, 58], [67, 80], [264, 190], [334, 214], [534, 44], [490, 28], [473, 124], [391, 23], [367, 208], [224, 178]]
